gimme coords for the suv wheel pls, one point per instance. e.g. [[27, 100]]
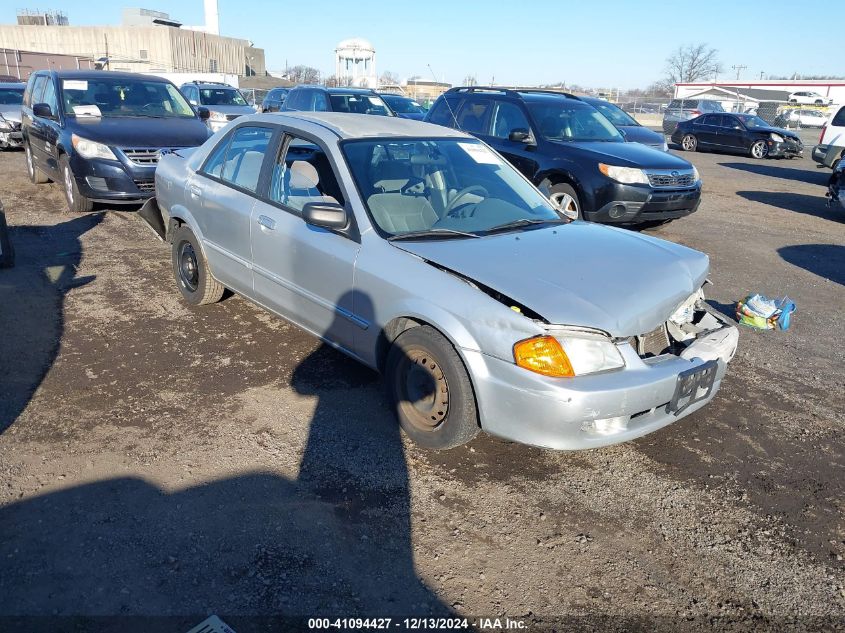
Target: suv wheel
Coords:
[[76, 202], [565, 197]]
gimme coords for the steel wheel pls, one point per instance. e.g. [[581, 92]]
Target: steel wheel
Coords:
[[424, 390], [188, 269], [759, 149], [689, 143]]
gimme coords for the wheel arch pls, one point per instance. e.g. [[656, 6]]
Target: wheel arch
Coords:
[[547, 179]]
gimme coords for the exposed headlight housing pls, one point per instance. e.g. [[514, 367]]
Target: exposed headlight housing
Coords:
[[625, 175], [695, 174], [777, 138], [216, 116], [568, 355], [91, 149], [685, 312], [5, 126]]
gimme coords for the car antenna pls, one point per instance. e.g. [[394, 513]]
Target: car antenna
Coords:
[[448, 105]]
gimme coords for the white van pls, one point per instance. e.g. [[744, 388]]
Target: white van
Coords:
[[831, 145]]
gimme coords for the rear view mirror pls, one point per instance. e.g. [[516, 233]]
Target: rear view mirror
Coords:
[[520, 135], [327, 215], [42, 110], [203, 113]]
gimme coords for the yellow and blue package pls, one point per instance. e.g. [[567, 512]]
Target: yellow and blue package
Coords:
[[762, 313]]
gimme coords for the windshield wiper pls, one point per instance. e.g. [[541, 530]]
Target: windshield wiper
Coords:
[[431, 233], [515, 224]]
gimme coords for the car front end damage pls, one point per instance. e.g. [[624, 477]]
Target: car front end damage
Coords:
[[10, 133], [782, 146], [652, 380]]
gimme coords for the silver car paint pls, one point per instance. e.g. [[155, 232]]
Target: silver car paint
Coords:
[[350, 292]]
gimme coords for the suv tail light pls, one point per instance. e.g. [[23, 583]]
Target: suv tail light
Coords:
[[824, 129]]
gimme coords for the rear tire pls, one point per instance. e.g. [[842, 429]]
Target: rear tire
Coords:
[[689, 143], [190, 269], [76, 202], [565, 196], [35, 175], [430, 390]]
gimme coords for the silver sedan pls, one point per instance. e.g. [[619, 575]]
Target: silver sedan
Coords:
[[420, 252]]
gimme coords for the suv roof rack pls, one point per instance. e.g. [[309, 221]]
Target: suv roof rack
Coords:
[[511, 92], [209, 83]]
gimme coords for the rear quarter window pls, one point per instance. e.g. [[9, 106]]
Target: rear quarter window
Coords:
[[839, 118], [443, 113]]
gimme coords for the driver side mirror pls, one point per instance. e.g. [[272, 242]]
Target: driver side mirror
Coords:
[[326, 215], [42, 111], [520, 135], [203, 113]]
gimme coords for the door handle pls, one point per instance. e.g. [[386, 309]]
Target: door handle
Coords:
[[267, 223], [196, 191]]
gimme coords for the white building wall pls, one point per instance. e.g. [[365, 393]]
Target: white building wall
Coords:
[[831, 89]]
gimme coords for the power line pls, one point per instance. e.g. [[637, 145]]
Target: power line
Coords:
[[738, 69]]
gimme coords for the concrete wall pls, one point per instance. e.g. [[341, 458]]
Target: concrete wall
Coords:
[[165, 49]]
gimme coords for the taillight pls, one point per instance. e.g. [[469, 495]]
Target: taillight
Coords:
[[824, 129]]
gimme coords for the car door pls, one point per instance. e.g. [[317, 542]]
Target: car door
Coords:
[[705, 130], [36, 133], [222, 193], [506, 117], [302, 272], [51, 128], [731, 133]]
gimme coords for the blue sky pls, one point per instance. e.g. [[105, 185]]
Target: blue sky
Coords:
[[599, 44]]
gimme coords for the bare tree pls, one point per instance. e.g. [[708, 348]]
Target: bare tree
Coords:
[[303, 74], [691, 63], [470, 80], [333, 81], [388, 79]]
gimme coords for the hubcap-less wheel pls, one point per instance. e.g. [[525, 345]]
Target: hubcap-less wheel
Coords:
[[564, 201], [759, 149], [69, 184], [689, 143], [424, 391], [188, 269]]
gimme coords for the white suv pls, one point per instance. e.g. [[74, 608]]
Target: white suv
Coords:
[[831, 145], [809, 98]]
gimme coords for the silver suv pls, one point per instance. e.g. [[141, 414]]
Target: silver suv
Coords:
[[225, 103], [686, 109]]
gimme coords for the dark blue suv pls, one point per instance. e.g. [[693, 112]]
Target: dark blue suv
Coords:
[[100, 133], [573, 154]]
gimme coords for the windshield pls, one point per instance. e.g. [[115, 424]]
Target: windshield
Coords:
[[11, 96], [442, 186], [616, 114], [754, 121], [402, 105], [107, 97], [360, 104], [572, 121], [221, 96]]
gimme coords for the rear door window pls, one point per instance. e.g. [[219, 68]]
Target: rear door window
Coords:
[[239, 161], [473, 115], [839, 119], [443, 113]]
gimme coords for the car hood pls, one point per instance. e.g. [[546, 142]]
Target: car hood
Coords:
[[11, 112], [640, 134], [580, 274], [776, 130], [415, 116], [623, 154], [141, 132]]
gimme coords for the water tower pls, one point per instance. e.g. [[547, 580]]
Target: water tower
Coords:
[[355, 63]]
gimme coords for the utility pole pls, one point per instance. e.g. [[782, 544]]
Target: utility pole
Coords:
[[762, 72], [738, 69]]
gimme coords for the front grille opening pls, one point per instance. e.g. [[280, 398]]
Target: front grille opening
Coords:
[[652, 343], [668, 180], [145, 185]]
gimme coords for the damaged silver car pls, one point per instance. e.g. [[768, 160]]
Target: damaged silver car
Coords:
[[419, 251], [11, 99]]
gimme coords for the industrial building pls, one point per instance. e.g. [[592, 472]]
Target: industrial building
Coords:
[[761, 90], [146, 41], [20, 64]]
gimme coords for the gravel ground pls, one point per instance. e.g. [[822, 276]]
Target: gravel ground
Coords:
[[150, 452]]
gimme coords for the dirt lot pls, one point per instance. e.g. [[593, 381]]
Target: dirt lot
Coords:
[[160, 460]]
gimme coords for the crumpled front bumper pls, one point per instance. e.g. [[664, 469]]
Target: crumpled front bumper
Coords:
[[11, 139], [597, 410], [785, 148]]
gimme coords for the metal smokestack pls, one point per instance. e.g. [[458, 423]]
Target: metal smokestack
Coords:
[[212, 17]]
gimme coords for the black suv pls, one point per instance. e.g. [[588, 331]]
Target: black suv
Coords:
[[573, 154], [322, 99], [274, 99], [101, 133]]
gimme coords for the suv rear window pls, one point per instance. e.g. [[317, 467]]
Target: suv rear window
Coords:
[[839, 119]]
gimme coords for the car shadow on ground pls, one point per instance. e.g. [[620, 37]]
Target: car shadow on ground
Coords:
[[32, 306], [824, 260], [797, 202], [335, 542], [773, 168]]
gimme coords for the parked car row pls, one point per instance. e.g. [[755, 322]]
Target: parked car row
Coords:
[[11, 99]]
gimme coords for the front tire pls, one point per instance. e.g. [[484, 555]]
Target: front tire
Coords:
[[565, 196], [76, 202], [190, 269], [689, 143], [35, 176], [759, 149], [430, 389]]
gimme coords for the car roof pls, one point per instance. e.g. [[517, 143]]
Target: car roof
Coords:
[[12, 84], [350, 126], [336, 91], [99, 74], [205, 85]]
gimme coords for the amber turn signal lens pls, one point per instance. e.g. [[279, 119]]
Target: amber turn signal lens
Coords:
[[543, 355]]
